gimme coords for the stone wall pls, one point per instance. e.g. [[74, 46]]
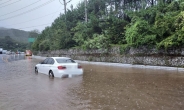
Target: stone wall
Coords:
[[143, 56]]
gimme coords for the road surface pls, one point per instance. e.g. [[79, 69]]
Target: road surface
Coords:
[[102, 87]]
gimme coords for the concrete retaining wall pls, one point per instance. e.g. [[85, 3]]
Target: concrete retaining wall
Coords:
[[143, 56]]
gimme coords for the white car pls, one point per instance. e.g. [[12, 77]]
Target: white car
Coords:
[[61, 67]]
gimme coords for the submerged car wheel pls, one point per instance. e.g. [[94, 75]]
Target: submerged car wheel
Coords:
[[65, 76], [36, 70], [51, 74]]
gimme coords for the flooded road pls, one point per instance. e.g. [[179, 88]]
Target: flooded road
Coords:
[[102, 87]]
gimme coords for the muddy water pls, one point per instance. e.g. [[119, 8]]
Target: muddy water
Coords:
[[100, 88]]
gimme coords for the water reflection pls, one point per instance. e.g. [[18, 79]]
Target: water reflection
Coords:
[[14, 57], [108, 88], [100, 88], [28, 57]]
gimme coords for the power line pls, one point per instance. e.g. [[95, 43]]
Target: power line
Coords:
[[20, 8], [35, 26], [5, 2], [33, 19], [10, 4], [54, 14], [27, 11]]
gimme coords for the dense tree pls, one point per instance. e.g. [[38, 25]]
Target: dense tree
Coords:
[[156, 23], [7, 43]]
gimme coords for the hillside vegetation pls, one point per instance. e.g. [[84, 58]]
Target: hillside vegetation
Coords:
[[8, 43], [15, 34], [128, 23], [14, 39]]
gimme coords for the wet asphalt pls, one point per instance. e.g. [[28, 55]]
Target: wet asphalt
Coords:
[[102, 87]]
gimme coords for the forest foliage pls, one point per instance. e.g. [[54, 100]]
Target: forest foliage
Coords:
[[129, 23], [7, 43]]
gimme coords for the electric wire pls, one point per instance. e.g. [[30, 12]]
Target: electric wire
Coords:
[[5, 2], [20, 8], [10, 4], [27, 11], [33, 19], [54, 14], [35, 26]]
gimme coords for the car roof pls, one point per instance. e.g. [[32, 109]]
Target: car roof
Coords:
[[60, 57]]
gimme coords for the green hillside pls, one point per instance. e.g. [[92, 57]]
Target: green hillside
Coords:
[[14, 39], [15, 34]]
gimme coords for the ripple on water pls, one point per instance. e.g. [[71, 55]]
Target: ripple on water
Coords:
[[100, 88]]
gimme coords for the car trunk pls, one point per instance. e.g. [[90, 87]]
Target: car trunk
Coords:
[[70, 66]]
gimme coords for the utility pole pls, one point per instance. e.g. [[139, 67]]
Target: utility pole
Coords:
[[65, 4], [65, 7], [86, 13]]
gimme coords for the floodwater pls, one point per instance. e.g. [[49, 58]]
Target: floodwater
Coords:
[[102, 87]]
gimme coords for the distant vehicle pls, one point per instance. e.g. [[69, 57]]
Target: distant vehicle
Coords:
[[28, 53], [4, 51], [61, 67], [17, 52], [22, 52], [1, 50], [8, 52]]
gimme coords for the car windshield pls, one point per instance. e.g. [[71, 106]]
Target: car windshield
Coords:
[[65, 61]]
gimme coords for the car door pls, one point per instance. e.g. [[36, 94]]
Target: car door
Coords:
[[48, 66], [39, 66], [43, 66]]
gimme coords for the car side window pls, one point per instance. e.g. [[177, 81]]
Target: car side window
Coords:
[[45, 61], [50, 61]]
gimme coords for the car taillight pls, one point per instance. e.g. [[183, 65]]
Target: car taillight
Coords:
[[79, 66], [61, 67]]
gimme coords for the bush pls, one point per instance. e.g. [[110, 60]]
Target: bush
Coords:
[[139, 33], [97, 42]]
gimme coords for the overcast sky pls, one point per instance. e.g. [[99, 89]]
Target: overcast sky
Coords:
[[31, 14]]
